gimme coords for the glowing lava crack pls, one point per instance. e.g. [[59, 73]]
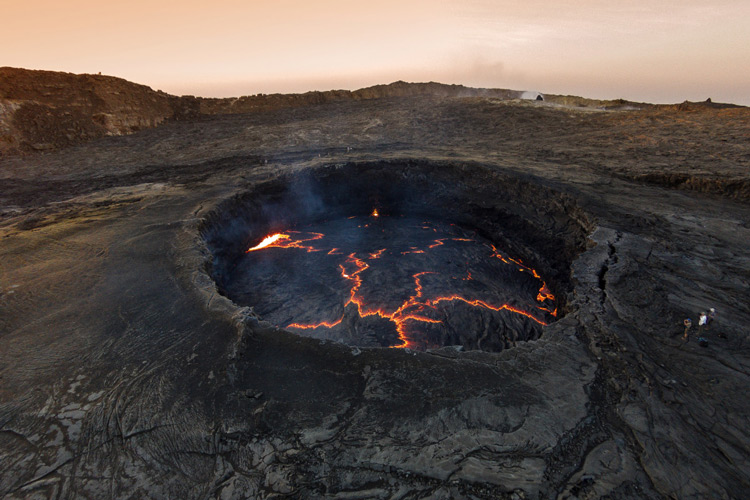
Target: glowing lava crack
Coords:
[[402, 256]]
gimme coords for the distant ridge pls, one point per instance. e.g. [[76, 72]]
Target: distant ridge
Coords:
[[48, 110], [396, 89]]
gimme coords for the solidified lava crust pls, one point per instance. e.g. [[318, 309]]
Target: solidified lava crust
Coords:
[[390, 254]]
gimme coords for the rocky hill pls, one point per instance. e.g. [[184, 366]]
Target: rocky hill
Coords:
[[48, 110], [261, 102], [44, 110]]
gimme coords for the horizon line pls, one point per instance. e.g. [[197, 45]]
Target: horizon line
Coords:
[[352, 90]]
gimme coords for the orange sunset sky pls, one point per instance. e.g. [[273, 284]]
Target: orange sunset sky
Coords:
[[645, 50]]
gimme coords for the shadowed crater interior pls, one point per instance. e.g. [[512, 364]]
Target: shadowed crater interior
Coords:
[[399, 254]]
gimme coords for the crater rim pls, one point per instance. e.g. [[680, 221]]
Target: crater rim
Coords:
[[545, 227]]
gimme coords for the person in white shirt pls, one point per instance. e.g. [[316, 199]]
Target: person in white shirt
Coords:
[[702, 322]]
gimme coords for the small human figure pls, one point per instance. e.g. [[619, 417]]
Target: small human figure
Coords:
[[711, 317], [688, 325], [702, 322]]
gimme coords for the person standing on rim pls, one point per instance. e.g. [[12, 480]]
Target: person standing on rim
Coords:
[[711, 319], [688, 325], [702, 322]]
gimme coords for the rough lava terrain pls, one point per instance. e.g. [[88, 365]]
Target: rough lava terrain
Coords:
[[126, 373]]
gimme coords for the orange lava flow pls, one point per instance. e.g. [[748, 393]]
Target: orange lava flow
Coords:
[[412, 309], [268, 241], [544, 292], [481, 303], [400, 316], [317, 325], [280, 240], [378, 254]]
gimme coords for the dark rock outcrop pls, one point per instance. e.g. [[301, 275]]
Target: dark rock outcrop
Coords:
[[43, 110], [48, 110]]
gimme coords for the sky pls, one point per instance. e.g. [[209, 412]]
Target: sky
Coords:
[[663, 51]]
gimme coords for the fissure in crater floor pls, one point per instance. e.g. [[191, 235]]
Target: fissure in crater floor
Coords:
[[395, 281]]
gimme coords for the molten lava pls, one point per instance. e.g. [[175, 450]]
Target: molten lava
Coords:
[[268, 241], [286, 241], [417, 309]]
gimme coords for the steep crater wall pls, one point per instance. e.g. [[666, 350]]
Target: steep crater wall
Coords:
[[535, 231]]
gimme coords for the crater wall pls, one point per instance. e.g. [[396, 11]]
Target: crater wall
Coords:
[[542, 228]]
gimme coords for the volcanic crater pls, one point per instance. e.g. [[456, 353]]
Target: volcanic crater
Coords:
[[413, 255], [125, 373]]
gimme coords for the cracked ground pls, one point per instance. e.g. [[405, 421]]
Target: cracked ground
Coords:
[[125, 373]]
